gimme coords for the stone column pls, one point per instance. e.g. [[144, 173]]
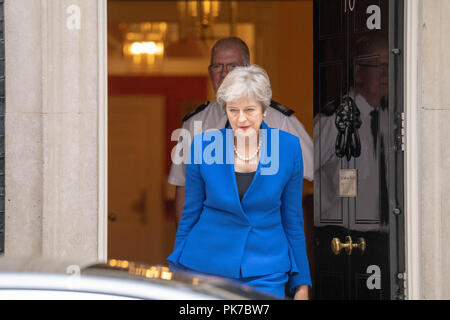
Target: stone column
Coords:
[[55, 129], [434, 146]]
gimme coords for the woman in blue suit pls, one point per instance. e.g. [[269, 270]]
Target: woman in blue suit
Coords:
[[242, 216]]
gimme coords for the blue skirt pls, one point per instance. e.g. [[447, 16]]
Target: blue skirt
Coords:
[[273, 284]]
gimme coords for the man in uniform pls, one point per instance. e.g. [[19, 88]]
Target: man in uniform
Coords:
[[227, 54]]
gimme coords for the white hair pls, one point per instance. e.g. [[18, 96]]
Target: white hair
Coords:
[[245, 82]]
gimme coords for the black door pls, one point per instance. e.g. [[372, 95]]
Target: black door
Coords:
[[358, 207]]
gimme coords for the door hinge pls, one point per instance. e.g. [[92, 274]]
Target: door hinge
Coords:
[[397, 51], [400, 131], [402, 291]]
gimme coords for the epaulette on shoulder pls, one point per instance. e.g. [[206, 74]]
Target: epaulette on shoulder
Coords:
[[197, 110], [283, 109]]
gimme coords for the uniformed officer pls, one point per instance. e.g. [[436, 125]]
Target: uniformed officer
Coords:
[[227, 54]]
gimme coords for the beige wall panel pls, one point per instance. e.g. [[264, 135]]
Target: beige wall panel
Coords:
[[52, 128], [23, 180], [436, 54], [23, 55], [70, 186], [434, 159]]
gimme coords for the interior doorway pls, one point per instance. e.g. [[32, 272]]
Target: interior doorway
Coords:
[[148, 97], [136, 207]]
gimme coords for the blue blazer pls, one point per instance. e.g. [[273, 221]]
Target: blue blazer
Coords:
[[260, 235]]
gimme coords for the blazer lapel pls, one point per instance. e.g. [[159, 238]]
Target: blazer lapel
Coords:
[[230, 157], [265, 148]]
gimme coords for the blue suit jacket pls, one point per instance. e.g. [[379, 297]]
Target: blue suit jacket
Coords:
[[260, 235]]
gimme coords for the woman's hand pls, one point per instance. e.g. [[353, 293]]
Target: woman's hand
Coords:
[[301, 293]]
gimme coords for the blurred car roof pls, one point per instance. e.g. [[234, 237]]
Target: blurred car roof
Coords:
[[43, 278]]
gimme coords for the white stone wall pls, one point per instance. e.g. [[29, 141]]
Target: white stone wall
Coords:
[[434, 148], [54, 100]]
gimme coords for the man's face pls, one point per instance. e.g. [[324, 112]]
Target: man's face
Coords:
[[372, 74], [223, 61]]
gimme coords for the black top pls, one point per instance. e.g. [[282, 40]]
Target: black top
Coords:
[[244, 180]]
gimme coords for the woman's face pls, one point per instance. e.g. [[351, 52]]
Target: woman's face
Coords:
[[245, 116]]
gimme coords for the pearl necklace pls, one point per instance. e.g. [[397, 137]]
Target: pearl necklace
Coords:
[[252, 156]]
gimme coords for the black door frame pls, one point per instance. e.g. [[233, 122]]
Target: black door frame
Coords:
[[396, 155]]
